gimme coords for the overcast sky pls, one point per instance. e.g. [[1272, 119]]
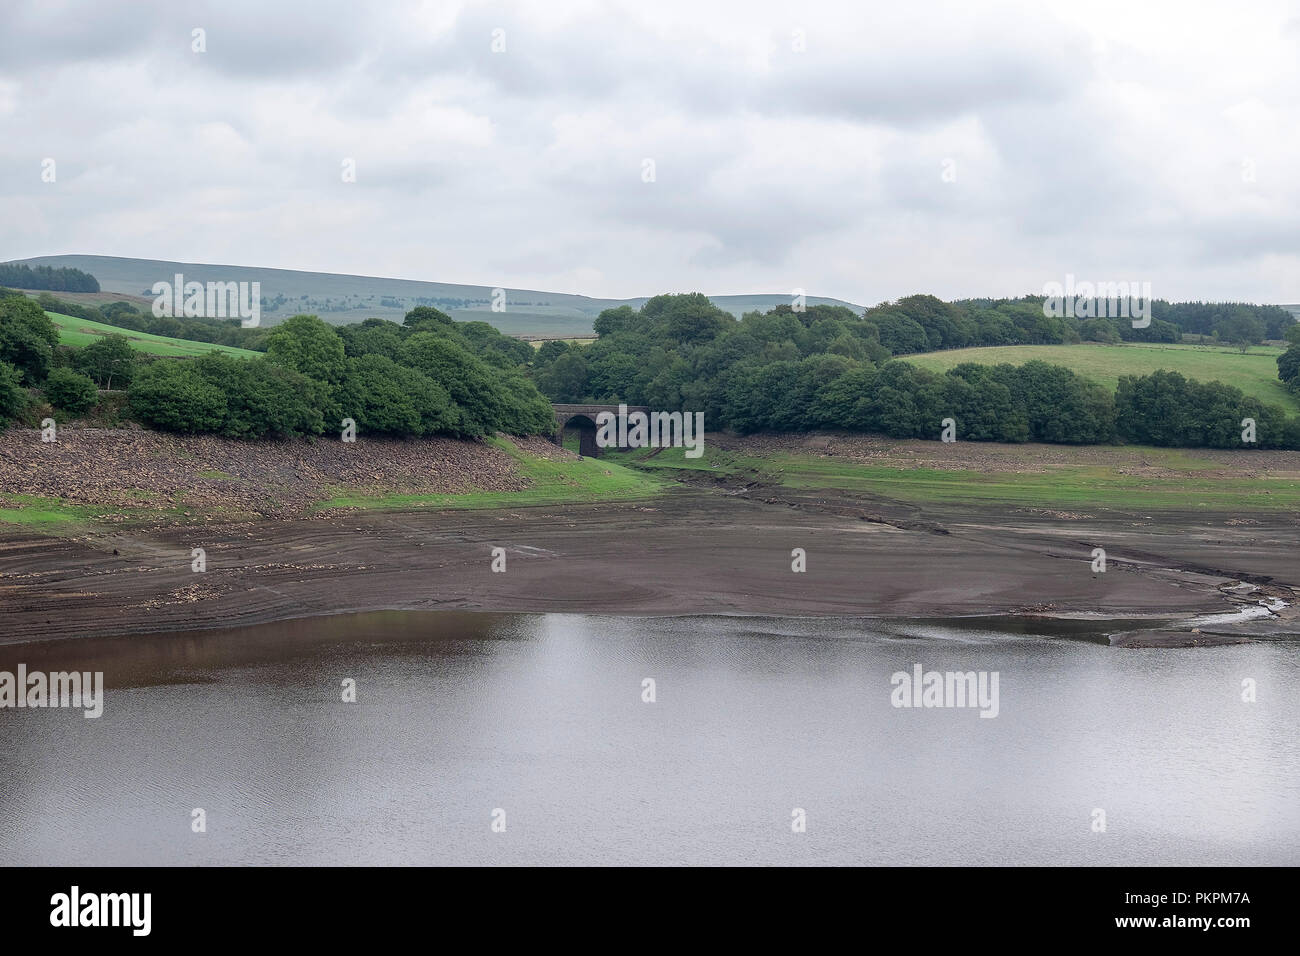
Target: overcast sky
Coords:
[[863, 150]]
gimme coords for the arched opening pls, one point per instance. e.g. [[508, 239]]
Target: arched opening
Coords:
[[584, 429]]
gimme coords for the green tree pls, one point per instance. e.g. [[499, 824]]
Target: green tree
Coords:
[[27, 338], [1288, 367], [263, 397], [173, 396], [689, 317], [565, 379], [550, 350], [306, 344], [900, 334], [611, 321], [386, 398], [13, 397], [372, 337], [427, 319], [1242, 329], [109, 360], [70, 391], [1099, 330]]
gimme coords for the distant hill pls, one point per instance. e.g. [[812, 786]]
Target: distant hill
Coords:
[[341, 299]]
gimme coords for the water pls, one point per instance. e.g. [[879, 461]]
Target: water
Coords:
[[459, 714]]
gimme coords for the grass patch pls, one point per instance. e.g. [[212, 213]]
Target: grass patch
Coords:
[[58, 516], [1254, 372], [82, 332], [43, 513], [550, 482], [1196, 483]]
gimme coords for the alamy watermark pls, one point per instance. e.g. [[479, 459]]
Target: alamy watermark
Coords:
[[129, 910], [651, 430], [37, 689], [215, 300], [922, 688], [1100, 300]]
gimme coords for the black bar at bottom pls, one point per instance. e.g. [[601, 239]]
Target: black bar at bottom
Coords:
[[1225, 905]]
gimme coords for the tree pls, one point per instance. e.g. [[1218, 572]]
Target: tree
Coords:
[[1242, 329], [108, 360], [565, 379], [13, 398], [550, 350], [689, 317], [264, 398], [70, 391], [615, 320], [1288, 367], [27, 338], [372, 337], [306, 344], [1099, 330], [172, 395], [484, 399], [1292, 333], [900, 334], [425, 318], [388, 398]]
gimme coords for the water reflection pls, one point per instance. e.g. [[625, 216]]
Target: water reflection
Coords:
[[458, 714]]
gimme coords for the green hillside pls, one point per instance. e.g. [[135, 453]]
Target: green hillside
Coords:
[[79, 332], [1254, 372]]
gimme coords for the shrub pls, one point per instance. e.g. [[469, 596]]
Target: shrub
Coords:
[[13, 397], [70, 391], [174, 396]]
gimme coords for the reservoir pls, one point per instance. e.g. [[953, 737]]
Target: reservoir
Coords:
[[543, 724]]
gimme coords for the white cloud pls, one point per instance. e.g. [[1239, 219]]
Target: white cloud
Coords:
[[1096, 137]]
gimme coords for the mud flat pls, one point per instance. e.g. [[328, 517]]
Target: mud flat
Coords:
[[690, 551]]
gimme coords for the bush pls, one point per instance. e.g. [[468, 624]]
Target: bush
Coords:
[[264, 398], [13, 397], [306, 344], [1288, 367], [70, 391], [386, 398], [173, 396], [27, 338], [109, 361], [1167, 409]]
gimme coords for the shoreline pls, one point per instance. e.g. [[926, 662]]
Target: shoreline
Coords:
[[688, 552]]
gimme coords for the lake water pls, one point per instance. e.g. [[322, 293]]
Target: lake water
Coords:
[[459, 715]]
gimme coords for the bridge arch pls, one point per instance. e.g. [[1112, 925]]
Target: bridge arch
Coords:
[[585, 426]]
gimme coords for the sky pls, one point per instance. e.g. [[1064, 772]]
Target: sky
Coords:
[[861, 150]]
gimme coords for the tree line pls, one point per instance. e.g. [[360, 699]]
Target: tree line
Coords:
[[828, 367], [783, 370], [427, 375], [63, 279]]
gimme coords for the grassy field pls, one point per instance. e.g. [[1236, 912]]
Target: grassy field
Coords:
[[1254, 372], [553, 482], [1108, 478], [80, 332]]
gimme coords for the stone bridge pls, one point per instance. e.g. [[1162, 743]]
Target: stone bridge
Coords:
[[582, 419]]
